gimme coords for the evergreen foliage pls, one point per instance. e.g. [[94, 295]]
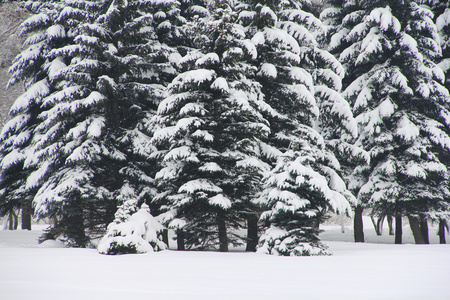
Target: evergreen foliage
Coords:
[[389, 49], [301, 82], [98, 90], [211, 127], [18, 135], [441, 11], [220, 113], [81, 178], [132, 231]]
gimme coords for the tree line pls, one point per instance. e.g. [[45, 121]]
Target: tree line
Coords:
[[230, 115]]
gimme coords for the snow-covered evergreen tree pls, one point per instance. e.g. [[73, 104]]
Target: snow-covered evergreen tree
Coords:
[[336, 31], [389, 49], [132, 231], [300, 82], [298, 194], [98, 90], [17, 136], [441, 11], [211, 128], [78, 168]]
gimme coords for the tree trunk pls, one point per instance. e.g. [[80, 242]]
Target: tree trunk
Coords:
[[424, 230], [26, 217], [74, 228], [378, 225], [223, 238], [180, 240], [415, 228], [358, 225], [165, 237], [252, 233], [13, 220], [374, 224], [398, 229], [442, 227], [390, 224]]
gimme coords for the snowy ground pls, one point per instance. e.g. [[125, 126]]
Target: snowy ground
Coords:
[[373, 270]]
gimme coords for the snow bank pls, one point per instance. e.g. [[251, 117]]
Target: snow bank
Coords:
[[355, 271]]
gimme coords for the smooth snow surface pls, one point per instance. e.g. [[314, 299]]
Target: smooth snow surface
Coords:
[[355, 271]]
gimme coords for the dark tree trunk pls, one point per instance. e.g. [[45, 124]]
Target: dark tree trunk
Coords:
[[358, 225], [378, 225], [424, 230], [13, 220], [398, 229], [223, 238], [391, 225], [111, 208], [91, 219], [165, 237], [26, 217], [442, 227], [180, 240], [252, 233], [415, 228], [75, 229], [374, 224]]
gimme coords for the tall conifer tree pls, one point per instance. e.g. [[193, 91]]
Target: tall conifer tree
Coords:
[[91, 132], [396, 90], [211, 127], [441, 10], [300, 83], [32, 67]]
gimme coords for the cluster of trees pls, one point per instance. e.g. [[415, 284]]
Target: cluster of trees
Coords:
[[229, 115], [391, 51]]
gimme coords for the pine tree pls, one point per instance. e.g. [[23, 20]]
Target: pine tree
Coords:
[[299, 79], [211, 127], [16, 138], [389, 49], [337, 29], [132, 231], [99, 88], [114, 85], [441, 10]]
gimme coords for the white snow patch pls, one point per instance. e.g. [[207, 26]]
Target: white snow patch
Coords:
[[210, 167], [177, 224], [407, 129], [221, 201], [196, 77], [258, 39], [95, 128], [266, 12], [178, 153], [208, 59], [221, 84], [415, 170], [197, 185], [268, 70], [253, 162]]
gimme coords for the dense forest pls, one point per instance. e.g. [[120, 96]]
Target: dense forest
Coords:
[[213, 118]]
